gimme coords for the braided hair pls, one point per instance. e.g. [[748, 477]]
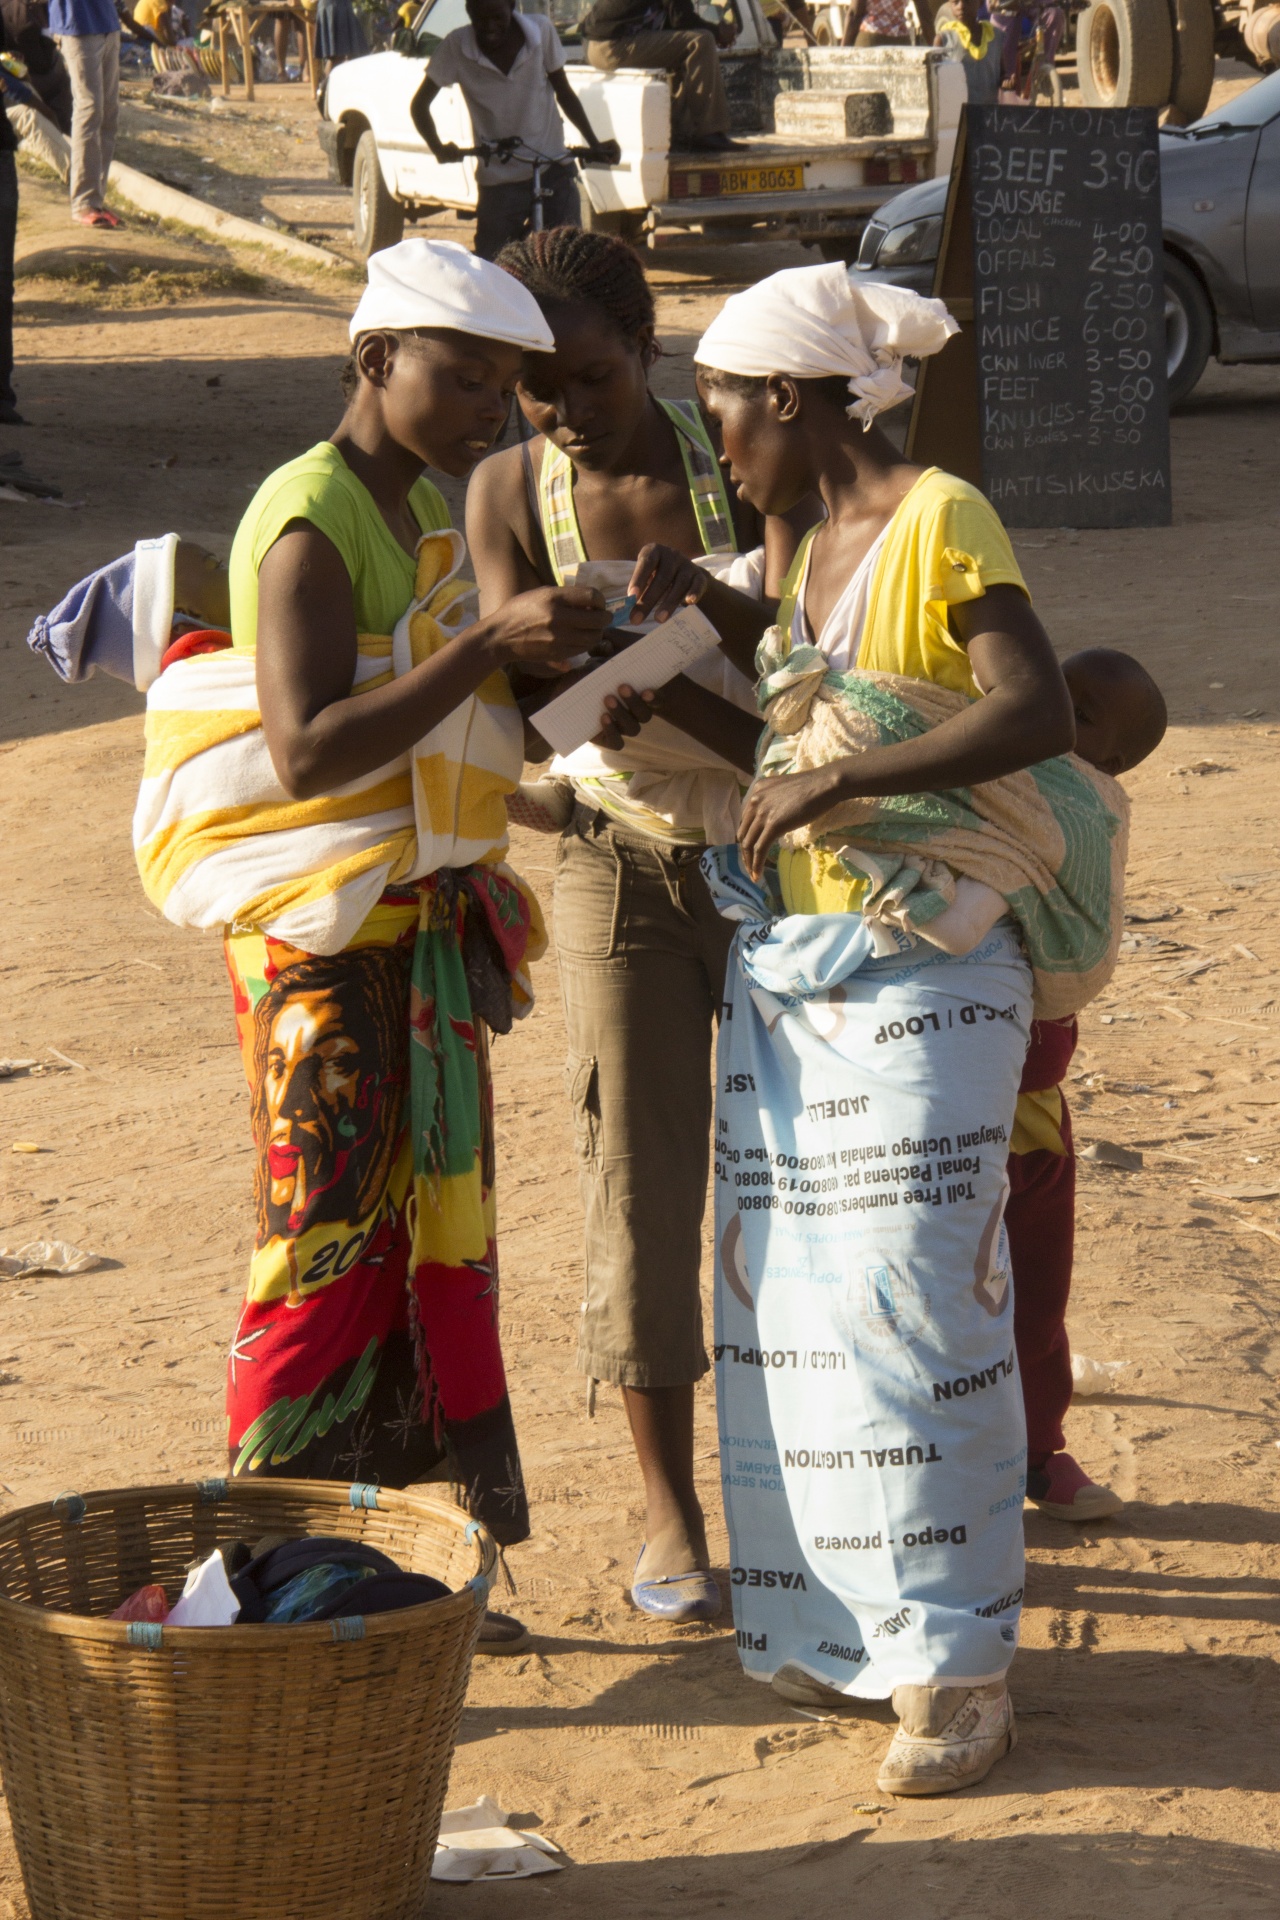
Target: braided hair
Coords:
[[568, 265]]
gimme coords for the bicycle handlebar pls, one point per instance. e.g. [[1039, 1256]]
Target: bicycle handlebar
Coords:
[[513, 148]]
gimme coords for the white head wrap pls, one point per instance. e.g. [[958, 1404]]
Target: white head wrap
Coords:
[[814, 321], [437, 283]]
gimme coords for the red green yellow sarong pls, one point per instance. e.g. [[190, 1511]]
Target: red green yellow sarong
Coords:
[[368, 1345]]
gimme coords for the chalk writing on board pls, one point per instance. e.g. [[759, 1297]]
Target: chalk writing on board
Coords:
[[1068, 314]]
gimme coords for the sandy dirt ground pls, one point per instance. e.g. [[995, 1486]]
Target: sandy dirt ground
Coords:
[[1146, 1685]]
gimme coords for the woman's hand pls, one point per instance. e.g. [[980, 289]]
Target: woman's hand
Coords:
[[625, 712], [545, 627], [780, 805], [663, 581], [695, 710]]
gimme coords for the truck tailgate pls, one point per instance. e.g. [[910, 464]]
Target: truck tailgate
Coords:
[[777, 178]]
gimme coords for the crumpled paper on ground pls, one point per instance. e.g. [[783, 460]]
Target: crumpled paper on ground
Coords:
[[47, 1256], [477, 1844], [1089, 1378]]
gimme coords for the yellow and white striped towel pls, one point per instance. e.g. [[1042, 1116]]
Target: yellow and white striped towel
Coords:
[[220, 843]]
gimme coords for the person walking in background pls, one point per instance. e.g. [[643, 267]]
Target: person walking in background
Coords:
[[88, 37], [157, 17], [339, 34], [9, 415], [978, 44], [877, 23], [510, 68], [669, 34], [24, 34]]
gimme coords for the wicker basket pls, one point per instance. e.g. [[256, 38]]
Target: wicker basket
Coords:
[[233, 1773]]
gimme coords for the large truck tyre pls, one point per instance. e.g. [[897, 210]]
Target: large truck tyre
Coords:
[[1188, 327], [377, 218], [1124, 52], [1193, 31]]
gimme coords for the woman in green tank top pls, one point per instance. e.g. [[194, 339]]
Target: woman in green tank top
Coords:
[[616, 474], [367, 1347]]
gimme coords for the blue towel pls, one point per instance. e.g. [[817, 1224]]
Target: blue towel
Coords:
[[118, 619]]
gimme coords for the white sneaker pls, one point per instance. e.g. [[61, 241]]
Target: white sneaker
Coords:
[[801, 1689], [947, 1737]]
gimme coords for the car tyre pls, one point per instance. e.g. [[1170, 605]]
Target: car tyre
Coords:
[[377, 218], [1048, 88], [1188, 325], [1124, 51], [1193, 31]]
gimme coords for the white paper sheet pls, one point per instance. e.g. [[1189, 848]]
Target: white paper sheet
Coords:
[[476, 1844], [658, 656]]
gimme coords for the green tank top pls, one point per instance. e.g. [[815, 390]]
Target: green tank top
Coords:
[[320, 487], [707, 492]]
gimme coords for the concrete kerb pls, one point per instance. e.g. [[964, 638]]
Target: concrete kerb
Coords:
[[44, 142]]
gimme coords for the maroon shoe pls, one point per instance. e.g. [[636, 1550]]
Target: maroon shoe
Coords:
[[1062, 1489]]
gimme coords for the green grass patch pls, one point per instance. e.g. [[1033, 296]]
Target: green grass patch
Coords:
[[99, 284]]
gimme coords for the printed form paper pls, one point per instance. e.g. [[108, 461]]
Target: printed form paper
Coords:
[[572, 718]]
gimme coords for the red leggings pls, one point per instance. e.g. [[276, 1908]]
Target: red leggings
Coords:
[[1040, 1220]]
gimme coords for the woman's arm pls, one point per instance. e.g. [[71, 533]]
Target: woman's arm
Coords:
[[1025, 716], [501, 539], [319, 733], [506, 551]]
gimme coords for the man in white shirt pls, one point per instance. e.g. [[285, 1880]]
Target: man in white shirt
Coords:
[[510, 67]]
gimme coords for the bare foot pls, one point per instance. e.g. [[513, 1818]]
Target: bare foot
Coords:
[[674, 1548]]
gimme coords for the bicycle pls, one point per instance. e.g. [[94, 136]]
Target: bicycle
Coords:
[[607, 154]]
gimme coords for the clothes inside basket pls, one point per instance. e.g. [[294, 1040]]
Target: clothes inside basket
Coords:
[[285, 1582]]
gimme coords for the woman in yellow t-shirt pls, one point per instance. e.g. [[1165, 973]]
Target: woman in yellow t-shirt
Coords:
[[910, 574]]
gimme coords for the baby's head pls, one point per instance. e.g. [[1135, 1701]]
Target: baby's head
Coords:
[[200, 585], [1120, 711]]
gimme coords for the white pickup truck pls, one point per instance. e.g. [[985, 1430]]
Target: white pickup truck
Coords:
[[830, 133]]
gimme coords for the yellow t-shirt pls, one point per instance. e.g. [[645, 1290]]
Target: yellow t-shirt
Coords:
[[320, 487], [976, 49], [151, 14], [944, 545]]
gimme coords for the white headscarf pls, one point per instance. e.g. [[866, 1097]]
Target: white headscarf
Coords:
[[437, 283], [814, 321]]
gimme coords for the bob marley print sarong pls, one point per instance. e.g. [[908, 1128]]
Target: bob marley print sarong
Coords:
[[368, 1345], [872, 1442]]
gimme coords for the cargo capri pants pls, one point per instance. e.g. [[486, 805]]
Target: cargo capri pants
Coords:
[[642, 965]]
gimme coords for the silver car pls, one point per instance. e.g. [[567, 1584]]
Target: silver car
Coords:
[[1220, 193]]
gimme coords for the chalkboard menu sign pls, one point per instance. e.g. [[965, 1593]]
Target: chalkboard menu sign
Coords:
[[1053, 398]]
